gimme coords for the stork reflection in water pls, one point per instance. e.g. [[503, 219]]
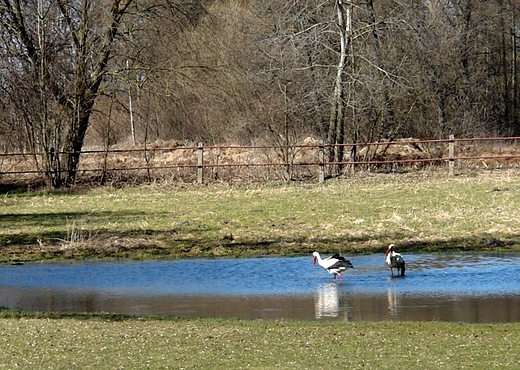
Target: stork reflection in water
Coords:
[[393, 302], [326, 301]]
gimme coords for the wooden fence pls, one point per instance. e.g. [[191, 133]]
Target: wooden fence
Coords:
[[308, 160]]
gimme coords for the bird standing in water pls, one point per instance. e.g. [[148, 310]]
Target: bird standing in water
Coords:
[[395, 260], [334, 264]]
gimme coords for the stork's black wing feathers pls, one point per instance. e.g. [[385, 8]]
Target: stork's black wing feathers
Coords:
[[338, 257], [341, 263]]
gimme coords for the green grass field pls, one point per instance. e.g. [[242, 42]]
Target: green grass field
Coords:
[[42, 343], [421, 212]]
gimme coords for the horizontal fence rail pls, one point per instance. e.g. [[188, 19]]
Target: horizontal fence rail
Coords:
[[204, 163]]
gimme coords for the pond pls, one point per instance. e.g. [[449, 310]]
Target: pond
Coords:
[[469, 287]]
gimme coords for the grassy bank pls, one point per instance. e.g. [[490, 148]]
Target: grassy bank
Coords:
[[358, 215], [37, 343], [419, 212]]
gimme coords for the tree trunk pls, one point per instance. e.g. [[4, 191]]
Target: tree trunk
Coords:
[[337, 113], [514, 77], [87, 83], [387, 124], [74, 142]]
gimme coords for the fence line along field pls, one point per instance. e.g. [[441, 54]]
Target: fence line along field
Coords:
[[173, 161]]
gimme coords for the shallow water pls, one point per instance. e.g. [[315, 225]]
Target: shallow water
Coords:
[[450, 287]]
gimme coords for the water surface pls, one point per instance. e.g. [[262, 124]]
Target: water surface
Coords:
[[449, 287]]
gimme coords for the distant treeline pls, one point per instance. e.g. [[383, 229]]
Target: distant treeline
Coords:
[[252, 72]]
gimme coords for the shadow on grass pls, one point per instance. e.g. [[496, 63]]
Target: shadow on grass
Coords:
[[15, 220], [302, 246], [482, 241], [58, 227]]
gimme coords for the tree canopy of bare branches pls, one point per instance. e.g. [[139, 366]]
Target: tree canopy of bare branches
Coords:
[[130, 72], [56, 57]]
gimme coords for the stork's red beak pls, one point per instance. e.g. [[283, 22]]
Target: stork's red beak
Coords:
[[314, 261], [387, 251]]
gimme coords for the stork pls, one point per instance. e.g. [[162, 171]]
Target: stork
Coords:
[[334, 264], [395, 260]]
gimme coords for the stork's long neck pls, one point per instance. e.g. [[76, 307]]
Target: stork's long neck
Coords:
[[317, 258], [389, 256]]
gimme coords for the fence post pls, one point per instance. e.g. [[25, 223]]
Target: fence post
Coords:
[[451, 155], [321, 164], [200, 162]]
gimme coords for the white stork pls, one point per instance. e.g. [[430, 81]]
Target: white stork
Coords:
[[334, 264], [395, 260]]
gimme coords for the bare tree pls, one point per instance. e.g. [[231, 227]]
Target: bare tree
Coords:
[[65, 50], [337, 112], [290, 78]]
